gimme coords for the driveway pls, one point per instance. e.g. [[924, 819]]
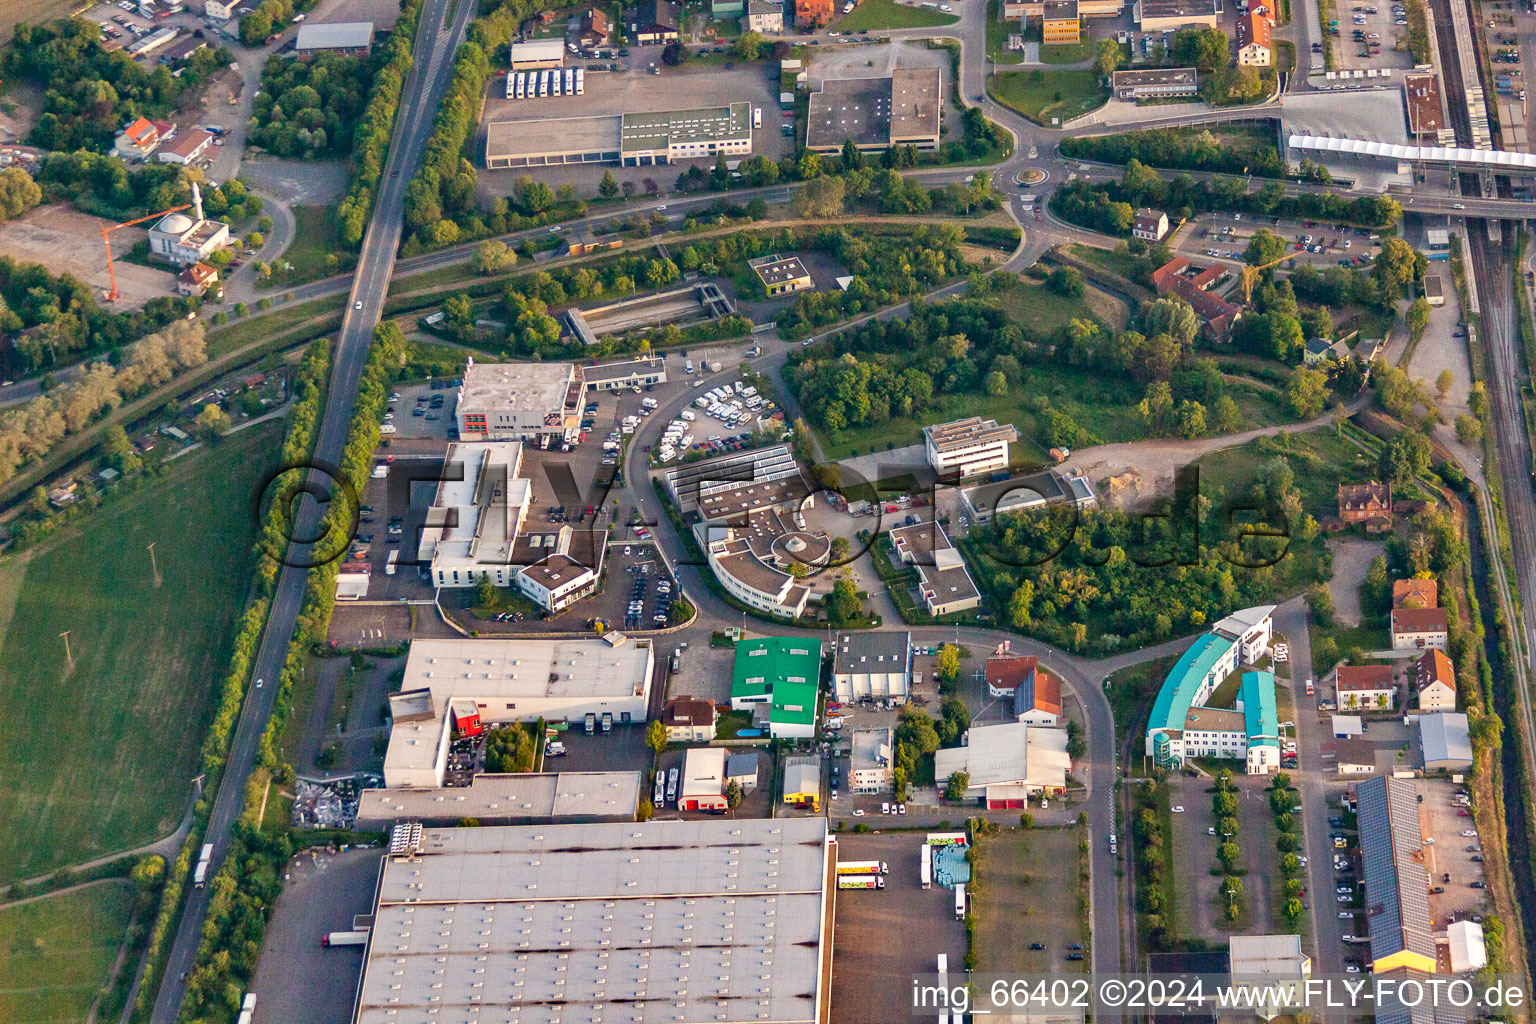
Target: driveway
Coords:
[[1351, 559]]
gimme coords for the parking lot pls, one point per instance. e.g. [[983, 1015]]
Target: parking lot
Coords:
[[423, 410], [622, 750], [1449, 859], [886, 937], [1226, 237], [757, 802], [297, 978], [635, 89], [1369, 35]]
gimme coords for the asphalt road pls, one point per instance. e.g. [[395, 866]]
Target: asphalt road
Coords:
[[424, 89]]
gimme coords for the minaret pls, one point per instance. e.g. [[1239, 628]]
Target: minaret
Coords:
[[197, 202]]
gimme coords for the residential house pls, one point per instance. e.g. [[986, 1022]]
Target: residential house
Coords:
[[196, 280], [1369, 505], [1036, 695], [1366, 686], [1415, 593], [1254, 47], [764, 16], [1414, 628], [688, 720], [186, 147], [596, 30], [1197, 285], [812, 14], [657, 21], [140, 138], [1434, 677], [1150, 225], [1320, 350]]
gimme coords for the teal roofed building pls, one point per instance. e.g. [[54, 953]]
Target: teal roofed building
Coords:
[[1181, 726], [721, 10], [779, 678]]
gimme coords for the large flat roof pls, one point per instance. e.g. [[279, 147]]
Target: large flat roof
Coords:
[[963, 433], [479, 504], [528, 668], [875, 111], [553, 136], [872, 650], [1011, 752], [340, 35], [663, 128], [552, 796], [1155, 76], [528, 388], [1171, 708], [1392, 861], [666, 921]]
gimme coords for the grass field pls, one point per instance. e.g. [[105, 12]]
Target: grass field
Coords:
[[14, 12], [1044, 310], [1042, 95], [1028, 883], [1066, 53], [99, 757], [315, 238], [872, 15], [998, 32], [1116, 261], [55, 954]]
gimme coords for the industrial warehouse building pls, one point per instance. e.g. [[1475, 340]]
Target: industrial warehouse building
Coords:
[[872, 664], [1392, 868], [686, 921], [1156, 15], [1007, 764], [1155, 83], [778, 679], [632, 140], [463, 684], [537, 53], [507, 800], [876, 113], [338, 37], [628, 373]]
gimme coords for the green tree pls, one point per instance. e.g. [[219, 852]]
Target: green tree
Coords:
[[494, 257], [1417, 317], [1444, 381], [1229, 418], [1307, 392], [147, 876], [1066, 281], [733, 794], [656, 736], [954, 790], [608, 188], [1395, 266], [996, 384], [1264, 247], [947, 664], [843, 605], [1469, 429], [1026, 821], [211, 422], [1406, 456], [119, 450], [748, 45]]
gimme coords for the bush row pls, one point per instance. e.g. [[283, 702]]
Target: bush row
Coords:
[[370, 143]]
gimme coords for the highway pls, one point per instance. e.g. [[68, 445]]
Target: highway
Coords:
[[435, 45]]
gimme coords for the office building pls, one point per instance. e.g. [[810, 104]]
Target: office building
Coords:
[[646, 371], [1060, 22], [984, 502], [1366, 686], [679, 921], [1156, 15], [1254, 44], [943, 582], [781, 275], [1035, 694], [1419, 628], [968, 447], [538, 402], [872, 761], [185, 148], [1155, 84]]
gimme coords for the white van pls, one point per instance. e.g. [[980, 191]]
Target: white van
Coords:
[[688, 366], [689, 415]]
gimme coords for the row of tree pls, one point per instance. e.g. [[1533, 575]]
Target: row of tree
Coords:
[[370, 140], [1184, 149], [31, 430]]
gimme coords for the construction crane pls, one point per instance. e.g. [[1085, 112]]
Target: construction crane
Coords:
[[1251, 274], [107, 241]]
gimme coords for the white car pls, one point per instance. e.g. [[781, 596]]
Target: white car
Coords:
[[1351, 969], [1177, 808], [1469, 833], [1345, 915], [858, 812], [358, 304]]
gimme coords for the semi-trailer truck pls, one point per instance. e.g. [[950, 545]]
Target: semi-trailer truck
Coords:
[[927, 869], [863, 867], [204, 862], [860, 882], [347, 938]]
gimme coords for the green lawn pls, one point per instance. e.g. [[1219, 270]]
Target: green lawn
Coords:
[[1043, 95], [1044, 310], [316, 251], [99, 758], [1067, 53], [55, 954], [1116, 261], [872, 15]]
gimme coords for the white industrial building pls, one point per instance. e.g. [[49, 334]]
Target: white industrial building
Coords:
[[1467, 949], [476, 527], [872, 767], [537, 53], [507, 681], [691, 922], [873, 664], [1269, 964], [1446, 741], [336, 37], [1007, 763], [703, 787], [520, 402]]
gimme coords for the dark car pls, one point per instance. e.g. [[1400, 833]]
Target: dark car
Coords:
[[1074, 956], [1037, 945]]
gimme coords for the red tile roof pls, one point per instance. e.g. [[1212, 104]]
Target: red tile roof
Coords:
[[1418, 620], [1365, 677], [1006, 673], [1415, 593], [1253, 28], [1433, 668]]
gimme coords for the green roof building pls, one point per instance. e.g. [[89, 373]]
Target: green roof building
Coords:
[[783, 675]]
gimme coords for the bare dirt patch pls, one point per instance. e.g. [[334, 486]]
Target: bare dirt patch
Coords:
[[68, 242]]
